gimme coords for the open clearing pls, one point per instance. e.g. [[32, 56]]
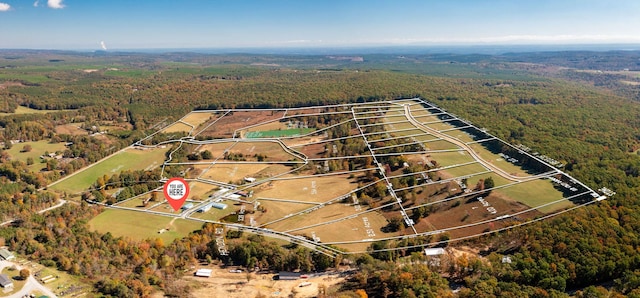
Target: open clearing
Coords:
[[129, 159], [140, 226], [222, 283], [38, 149]]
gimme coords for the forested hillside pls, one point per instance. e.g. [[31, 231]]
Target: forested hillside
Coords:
[[114, 100]]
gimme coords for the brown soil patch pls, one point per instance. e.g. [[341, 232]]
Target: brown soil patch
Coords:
[[227, 125], [70, 129], [222, 283], [9, 84]]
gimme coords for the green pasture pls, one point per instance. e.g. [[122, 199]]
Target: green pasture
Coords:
[[536, 193], [130, 159], [31, 78], [278, 133]]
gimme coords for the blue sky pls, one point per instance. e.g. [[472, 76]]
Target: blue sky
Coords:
[[132, 24]]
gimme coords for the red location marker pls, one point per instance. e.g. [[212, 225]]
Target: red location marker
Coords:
[[176, 191]]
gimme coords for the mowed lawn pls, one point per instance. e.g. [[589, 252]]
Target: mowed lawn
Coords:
[[130, 159], [139, 225]]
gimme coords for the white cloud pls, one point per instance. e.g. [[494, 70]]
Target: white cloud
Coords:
[[4, 7], [103, 45], [55, 4], [35, 4]]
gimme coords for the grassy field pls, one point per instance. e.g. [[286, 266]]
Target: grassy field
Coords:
[[497, 160], [316, 189], [139, 225], [231, 172], [278, 133], [31, 78], [130, 159], [177, 127], [196, 119], [451, 158], [25, 110], [536, 193]]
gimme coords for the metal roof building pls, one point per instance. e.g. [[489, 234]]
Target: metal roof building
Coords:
[[6, 254], [5, 281]]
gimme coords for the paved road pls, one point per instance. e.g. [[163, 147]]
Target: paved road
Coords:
[[488, 165], [31, 286]]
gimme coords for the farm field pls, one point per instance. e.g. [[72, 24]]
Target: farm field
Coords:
[[129, 159], [140, 226]]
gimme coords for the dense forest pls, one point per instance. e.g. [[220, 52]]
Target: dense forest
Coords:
[[593, 128]]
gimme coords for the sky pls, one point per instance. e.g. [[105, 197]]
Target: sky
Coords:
[[149, 24]]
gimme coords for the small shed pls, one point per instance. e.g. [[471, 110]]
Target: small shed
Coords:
[[5, 281], [5, 254], [203, 272], [430, 252]]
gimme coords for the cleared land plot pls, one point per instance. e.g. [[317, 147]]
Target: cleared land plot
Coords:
[[272, 125], [232, 172], [300, 141], [320, 215], [315, 150], [460, 135], [279, 133], [498, 161], [276, 210], [129, 159], [440, 145], [536, 193], [464, 170], [450, 158], [238, 120], [426, 117], [272, 150], [71, 129], [217, 149], [351, 229], [137, 202], [197, 118], [398, 126], [177, 127], [313, 189], [139, 226], [199, 191]]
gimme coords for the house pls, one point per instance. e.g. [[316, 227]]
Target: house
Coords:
[[187, 206], [286, 275], [250, 179], [6, 255], [5, 281], [203, 273]]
